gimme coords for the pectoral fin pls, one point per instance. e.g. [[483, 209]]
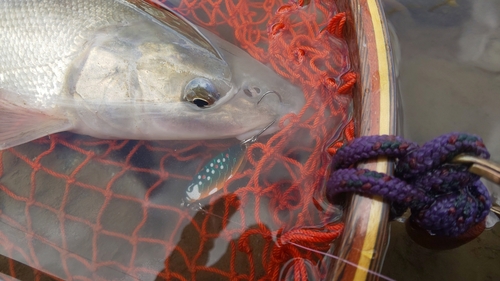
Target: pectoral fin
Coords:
[[19, 125]]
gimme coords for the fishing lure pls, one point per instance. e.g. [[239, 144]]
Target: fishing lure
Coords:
[[213, 175], [221, 168]]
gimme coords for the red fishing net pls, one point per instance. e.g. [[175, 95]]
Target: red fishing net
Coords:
[[80, 208]]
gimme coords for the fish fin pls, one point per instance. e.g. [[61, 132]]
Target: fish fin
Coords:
[[19, 125]]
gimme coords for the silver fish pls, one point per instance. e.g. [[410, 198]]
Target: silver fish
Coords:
[[124, 69]]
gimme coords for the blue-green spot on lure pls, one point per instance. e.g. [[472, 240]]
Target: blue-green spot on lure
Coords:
[[214, 174]]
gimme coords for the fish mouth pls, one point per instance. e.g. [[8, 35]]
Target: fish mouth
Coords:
[[269, 104]]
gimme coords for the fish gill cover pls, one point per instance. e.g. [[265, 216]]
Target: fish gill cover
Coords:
[[81, 208]]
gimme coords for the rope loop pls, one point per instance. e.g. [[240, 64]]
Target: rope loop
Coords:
[[444, 198]]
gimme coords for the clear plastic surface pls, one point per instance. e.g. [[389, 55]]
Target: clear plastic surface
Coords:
[[77, 207]]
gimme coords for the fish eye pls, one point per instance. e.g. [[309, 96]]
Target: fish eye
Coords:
[[201, 92]]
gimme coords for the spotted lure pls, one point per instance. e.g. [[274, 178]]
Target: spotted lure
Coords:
[[224, 166], [213, 175]]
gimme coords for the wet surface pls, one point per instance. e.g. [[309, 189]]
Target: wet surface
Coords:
[[82, 208], [449, 81]]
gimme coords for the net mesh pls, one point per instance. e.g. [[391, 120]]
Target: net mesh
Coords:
[[80, 208]]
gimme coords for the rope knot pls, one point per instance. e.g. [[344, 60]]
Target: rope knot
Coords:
[[444, 198]]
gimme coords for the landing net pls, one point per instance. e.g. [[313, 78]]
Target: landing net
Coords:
[[75, 207]]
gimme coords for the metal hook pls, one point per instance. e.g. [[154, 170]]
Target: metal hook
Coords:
[[254, 138], [484, 168], [270, 92]]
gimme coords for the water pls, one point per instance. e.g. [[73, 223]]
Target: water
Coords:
[[450, 80]]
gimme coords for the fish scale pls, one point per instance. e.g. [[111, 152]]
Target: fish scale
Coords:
[[38, 69]]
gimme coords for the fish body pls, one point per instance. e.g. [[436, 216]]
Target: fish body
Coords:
[[115, 69]]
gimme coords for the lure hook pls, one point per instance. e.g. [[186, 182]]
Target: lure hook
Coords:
[[270, 92], [254, 138], [212, 176]]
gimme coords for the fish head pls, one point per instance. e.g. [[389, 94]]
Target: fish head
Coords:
[[258, 96], [144, 81], [211, 96]]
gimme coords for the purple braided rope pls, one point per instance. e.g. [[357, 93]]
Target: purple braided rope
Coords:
[[439, 151], [445, 179], [374, 183], [454, 213], [444, 198], [482, 195], [446, 215], [365, 148]]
